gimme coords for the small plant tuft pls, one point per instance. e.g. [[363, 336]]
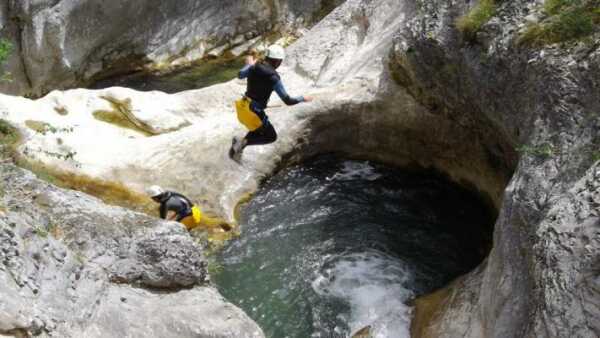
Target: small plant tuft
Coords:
[[470, 23], [5, 50], [544, 151], [44, 128], [568, 20], [40, 231], [552, 7], [9, 139]]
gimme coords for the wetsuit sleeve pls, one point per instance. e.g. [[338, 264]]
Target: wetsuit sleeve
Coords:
[[287, 99], [244, 72], [163, 210]]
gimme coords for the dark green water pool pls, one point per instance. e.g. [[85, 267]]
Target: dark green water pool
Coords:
[[332, 246], [203, 74]]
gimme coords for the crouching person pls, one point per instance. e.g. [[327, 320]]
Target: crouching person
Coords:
[[176, 207]]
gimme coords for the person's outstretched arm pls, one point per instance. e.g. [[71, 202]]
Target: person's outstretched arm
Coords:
[[250, 61], [286, 98]]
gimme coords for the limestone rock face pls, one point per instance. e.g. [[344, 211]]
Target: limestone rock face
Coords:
[[61, 44], [541, 278], [71, 266]]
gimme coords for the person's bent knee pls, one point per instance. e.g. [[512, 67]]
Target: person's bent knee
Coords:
[[273, 137]]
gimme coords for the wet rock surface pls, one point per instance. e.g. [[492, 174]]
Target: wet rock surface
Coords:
[[71, 266]]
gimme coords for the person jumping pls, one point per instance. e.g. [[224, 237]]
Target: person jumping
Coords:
[[263, 79]]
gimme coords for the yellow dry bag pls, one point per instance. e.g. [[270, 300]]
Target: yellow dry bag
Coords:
[[246, 116], [196, 214]]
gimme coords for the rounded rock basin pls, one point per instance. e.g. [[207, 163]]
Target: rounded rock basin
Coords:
[[332, 246]]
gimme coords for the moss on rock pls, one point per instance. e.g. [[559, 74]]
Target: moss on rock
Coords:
[[566, 21], [470, 23]]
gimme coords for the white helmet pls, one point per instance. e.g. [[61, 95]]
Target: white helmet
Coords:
[[154, 191], [275, 52]]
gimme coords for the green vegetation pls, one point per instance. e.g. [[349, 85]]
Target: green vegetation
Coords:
[[45, 127], [9, 138], [37, 126], [40, 231], [5, 50], [552, 7], [544, 151], [596, 156], [470, 23], [70, 155], [567, 20]]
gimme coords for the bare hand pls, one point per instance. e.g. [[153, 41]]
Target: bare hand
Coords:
[[250, 60], [308, 98], [171, 215]]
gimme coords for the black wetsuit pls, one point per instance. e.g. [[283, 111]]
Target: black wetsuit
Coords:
[[172, 201], [263, 79]]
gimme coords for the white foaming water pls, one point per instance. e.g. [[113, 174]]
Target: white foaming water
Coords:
[[373, 284], [353, 170]]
